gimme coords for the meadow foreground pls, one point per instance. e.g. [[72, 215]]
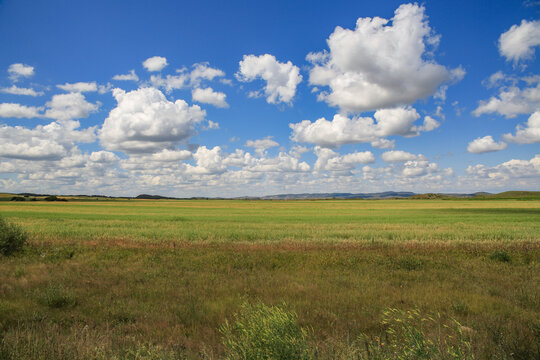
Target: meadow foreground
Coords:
[[99, 279]]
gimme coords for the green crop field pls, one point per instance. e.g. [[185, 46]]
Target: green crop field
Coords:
[[125, 278]]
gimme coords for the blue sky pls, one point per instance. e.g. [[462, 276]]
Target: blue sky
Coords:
[[234, 98]]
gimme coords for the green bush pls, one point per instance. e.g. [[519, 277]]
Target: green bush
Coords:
[[262, 332], [12, 238], [500, 255]]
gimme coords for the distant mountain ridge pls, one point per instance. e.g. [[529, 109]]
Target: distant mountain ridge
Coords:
[[522, 195], [381, 195]]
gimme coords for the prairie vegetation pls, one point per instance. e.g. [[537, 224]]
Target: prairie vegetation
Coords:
[[143, 279]]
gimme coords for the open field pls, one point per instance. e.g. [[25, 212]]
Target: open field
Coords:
[[99, 278]]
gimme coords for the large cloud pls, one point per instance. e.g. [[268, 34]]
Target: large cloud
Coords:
[[281, 78], [519, 41], [485, 144], [144, 121], [343, 130], [378, 65], [528, 134]]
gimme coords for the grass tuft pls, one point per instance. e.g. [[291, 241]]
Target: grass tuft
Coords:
[[262, 332], [57, 296]]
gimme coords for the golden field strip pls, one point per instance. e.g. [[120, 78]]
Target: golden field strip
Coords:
[[168, 273]]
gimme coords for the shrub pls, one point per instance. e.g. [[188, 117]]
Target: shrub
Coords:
[[57, 296], [17, 198], [12, 238], [262, 332], [500, 255]]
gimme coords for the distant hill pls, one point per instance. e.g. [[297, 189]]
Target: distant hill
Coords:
[[153, 197], [510, 195], [381, 195]]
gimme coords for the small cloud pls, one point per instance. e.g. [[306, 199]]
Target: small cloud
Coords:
[[155, 63], [15, 90], [19, 70], [281, 78], [485, 144], [12, 110], [209, 96], [79, 87], [131, 76]]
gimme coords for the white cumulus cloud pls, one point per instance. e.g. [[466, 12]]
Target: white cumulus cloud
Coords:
[[155, 63], [514, 174], [519, 41], [511, 101], [202, 71], [169, 82], [260, 145], [144, 121], [19, 70], [79, 87], [485, 144], [378, 64], [13, 110], [528, 134], [281, 78], [15, 90], [44, 142], [329, 160], [209, 96], [131, 76], [343, 130], [400, 156], [69, 106]]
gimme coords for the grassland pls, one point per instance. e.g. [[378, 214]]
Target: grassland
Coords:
[[101, 278]]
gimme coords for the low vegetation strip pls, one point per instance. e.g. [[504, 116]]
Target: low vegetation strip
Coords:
[[159, 279]]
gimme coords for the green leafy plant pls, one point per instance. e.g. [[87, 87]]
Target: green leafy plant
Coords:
[[262, 332], [12, 237]]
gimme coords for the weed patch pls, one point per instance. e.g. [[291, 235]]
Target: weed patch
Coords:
[[57, 296]]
